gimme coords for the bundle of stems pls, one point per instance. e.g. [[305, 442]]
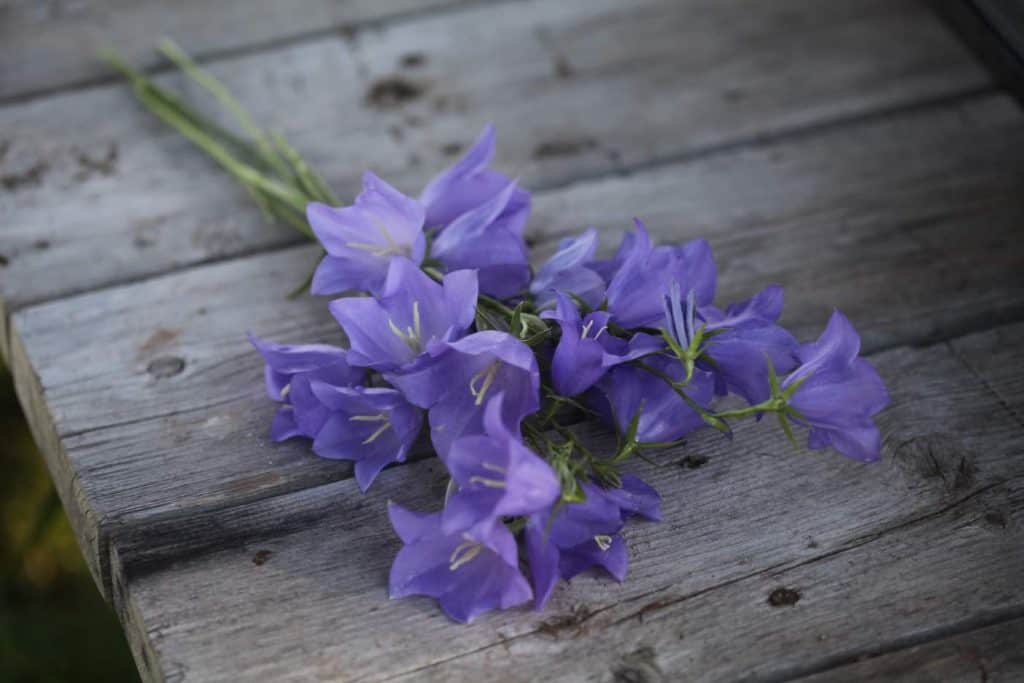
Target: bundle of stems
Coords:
[[265, 164]]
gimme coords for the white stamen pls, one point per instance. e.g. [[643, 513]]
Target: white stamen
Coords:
[[379, 417], [603, 542], [487, 374], [463, 553]]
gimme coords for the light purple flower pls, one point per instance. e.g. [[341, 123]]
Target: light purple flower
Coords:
[[288, 371], [373, 426], [635, 497], [747, 335], [469, 572], [412, 312], [578, 536], [497, 476], [640, 268], [586, 350], [469, 183], [664, 416], [461, 376], [838, 393], [361, 239], [488, 238], [568, 271]]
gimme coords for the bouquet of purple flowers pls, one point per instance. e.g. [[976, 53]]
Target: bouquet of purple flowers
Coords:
[[451, 332]]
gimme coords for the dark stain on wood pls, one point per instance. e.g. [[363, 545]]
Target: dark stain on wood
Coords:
[[572, 621], [693, 461], [783, 597], [4, 261], [413, 60], [42, 245], [639, 666], [160, 339], [451, 149], [105, 165], [563, 148], [30, 177], [938, 458], [563, 69], [165, 366], [261, 557], [393, 92]]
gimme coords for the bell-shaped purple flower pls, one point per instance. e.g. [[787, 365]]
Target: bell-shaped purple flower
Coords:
[[412, 312], [488, 238], [360, 240], [568, 271], [664, 416], [635, 497], [469, 183], [565, 541], [461, 376], [497, 476], [640, 268], [469, 572], [837, 393], [586, 350], [746, 335], [287, 373], [373, 426]]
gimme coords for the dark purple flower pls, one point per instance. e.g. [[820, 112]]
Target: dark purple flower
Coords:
[[664, 416], [586, 350], [569, 539], [469, 572], [373, 426], [568, 271], [288, 371], [361, 239], [640, 269], [469, 183], [746, 335], [635, 497], [488, 238], [497, 476], [836, 393], [461, 376], [413, 311]]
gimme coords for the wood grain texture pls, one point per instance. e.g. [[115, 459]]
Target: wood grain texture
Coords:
[[883, 556], [908, 236], [97, 192], [46, 44], [992, 654]]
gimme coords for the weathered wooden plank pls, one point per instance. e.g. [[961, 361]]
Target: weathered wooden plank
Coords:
[[96, 191], [47, 45], [926, 543], [986, 654], [933, 194]]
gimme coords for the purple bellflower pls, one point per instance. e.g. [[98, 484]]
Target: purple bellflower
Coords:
[[640, 268], [288, 371], [469, 183], [412, 312], [586, 350], [497, 476], [360, 240], [664, 416], [564, 541], [635, 497], [469, 572], [568, 271], [463, 375], [372, 426], [489, 239], [836, 393], [737, 340]]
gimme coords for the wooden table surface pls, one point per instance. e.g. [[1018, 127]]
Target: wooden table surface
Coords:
[[852, 151]]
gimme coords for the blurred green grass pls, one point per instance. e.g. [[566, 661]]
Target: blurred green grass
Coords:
[[54, 626]]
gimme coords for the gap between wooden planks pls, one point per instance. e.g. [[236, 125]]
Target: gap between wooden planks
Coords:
[[926, 544], [907, 224], [98, 192]]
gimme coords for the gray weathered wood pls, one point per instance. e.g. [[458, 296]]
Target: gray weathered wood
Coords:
[[924, 544], [98, 192], [45, 45], [933, 197], [987, 654]]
